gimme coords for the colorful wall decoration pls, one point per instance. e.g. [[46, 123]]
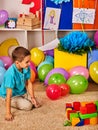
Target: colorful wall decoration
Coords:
[[75, 14], [87, 4], [65, 21]]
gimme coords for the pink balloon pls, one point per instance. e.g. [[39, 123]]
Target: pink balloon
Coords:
[[96, 38], [7, 61], [53, 91], [79, 70]]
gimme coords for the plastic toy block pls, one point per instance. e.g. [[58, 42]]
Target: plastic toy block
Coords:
[[81, 123], [67, 123], [83, 110], [96, 102], [93, 121], [69, 112], [73, 115], [91, 108], [83, 104], [68, 109], [85, 116], [68, 105], [62, 59], [87, 121], [76, 106], [75, 121]]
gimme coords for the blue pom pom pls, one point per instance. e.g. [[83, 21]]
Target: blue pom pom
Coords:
[[60, 1], [76, 41]]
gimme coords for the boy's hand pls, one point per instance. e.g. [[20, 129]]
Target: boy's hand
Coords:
[[35, 102], [9, 117]]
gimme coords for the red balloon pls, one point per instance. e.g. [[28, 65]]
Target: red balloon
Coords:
[[65, 89], [53, 91]]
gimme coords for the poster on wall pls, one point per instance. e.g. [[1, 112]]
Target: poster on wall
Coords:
[[91, 7], [65, 21], [83, 15], [52, 18]]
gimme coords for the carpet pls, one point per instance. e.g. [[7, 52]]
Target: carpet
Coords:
[[51, 115]]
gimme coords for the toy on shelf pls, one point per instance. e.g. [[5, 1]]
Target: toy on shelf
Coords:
[[11, 23], [28, 22], [81, 113]]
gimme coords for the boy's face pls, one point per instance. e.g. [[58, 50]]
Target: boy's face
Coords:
[[25, 63]]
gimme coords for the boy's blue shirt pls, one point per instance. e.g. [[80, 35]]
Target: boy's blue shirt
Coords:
[[15, 80]]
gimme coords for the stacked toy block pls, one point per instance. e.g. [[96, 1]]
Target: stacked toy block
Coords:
[[82, 113], [28, 22]]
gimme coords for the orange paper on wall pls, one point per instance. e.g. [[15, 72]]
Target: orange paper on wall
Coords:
[[86, 4]]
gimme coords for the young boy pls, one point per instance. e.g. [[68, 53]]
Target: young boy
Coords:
[[17, 88]]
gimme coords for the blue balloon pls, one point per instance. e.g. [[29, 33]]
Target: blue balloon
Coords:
[[49, 58], [1, 63], [92, 57], [2, 72]]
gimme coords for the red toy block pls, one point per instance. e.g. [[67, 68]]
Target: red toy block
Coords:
[[91, 108], [87, 121], [83, 110], [68, 105], [69, 112], [76, 106]]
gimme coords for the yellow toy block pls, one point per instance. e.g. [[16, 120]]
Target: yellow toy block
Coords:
[[67, 60], [83, 104], [93, 121], [75, 121], [68, 109]]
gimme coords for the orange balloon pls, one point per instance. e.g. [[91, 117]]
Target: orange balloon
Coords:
[[33, 76]]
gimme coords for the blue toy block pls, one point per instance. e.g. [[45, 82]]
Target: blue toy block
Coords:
[[81, 123]]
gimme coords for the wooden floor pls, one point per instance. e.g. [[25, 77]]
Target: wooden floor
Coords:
[[92, 87]]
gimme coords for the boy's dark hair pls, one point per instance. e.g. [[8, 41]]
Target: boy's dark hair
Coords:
[[19, 53]]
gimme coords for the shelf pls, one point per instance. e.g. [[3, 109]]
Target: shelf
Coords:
[[29, 38]]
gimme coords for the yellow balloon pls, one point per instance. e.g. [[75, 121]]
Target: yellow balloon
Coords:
[[93, 70], [37, 56]]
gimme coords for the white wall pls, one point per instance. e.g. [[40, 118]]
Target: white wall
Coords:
[[15, 7]]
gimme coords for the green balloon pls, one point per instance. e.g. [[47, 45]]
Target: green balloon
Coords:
[[44, 70], [78, 84], [56, 78]]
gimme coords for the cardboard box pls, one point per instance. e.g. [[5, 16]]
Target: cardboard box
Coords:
[[67, 60]]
